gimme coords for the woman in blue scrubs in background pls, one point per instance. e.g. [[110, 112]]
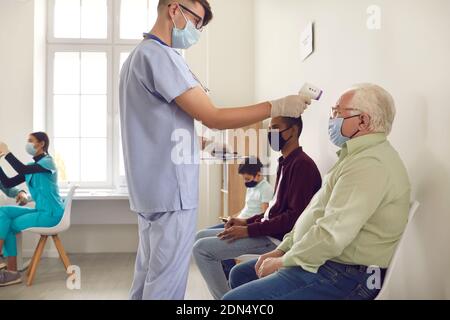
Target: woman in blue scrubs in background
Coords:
[[42, 182], [22, 199]]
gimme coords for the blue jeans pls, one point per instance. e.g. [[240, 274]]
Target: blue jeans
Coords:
[[227, 265], [333, 281], [209, 252]]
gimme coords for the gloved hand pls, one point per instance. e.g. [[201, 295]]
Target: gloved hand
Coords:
[[4, 150], [290, 106]]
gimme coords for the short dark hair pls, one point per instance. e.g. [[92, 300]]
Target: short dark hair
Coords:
[[205, 4], [294, 122], [251, 166], [42, 137]]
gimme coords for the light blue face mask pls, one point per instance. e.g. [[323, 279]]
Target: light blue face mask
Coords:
[[335, 131], [30, 149], [185, 38]]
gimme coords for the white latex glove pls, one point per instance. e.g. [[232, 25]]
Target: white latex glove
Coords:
[[290, 106]]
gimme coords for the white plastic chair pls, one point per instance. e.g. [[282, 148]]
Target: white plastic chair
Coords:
[[383, 294], [62, 226]]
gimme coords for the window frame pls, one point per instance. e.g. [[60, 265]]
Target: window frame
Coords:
[[116, 34], [113, 45], [51, 27], [51, 50]]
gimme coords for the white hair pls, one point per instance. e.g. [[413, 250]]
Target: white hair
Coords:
[[377, 103]]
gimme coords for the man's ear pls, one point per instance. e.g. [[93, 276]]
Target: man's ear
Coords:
[[173, 10], [365, 121]]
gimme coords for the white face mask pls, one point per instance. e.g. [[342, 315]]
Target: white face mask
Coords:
[[31, 150], [184, 39]]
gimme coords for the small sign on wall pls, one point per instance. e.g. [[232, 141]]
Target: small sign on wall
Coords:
[[307, 41]]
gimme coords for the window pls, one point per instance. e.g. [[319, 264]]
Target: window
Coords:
[[135, 15], [87, 43]]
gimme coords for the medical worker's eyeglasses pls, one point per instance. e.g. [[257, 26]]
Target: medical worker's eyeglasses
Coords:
[[198, 19]]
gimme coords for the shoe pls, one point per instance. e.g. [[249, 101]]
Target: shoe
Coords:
[[8, 278]]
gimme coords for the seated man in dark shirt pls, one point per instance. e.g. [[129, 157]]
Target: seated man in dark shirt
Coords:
[[298, 179]]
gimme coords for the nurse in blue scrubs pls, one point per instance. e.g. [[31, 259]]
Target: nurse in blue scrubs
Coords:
[[41, 179], [159, 99], [22, 199]]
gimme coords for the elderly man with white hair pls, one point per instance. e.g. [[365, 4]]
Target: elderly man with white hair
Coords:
[[353, 223]]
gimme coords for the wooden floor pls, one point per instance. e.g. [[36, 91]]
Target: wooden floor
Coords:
[[103, 277]]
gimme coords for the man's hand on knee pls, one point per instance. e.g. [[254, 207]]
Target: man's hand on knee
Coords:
[[234, 233]]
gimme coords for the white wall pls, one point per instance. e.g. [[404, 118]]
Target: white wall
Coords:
[[224, 55], [16, 77], [409, 56]]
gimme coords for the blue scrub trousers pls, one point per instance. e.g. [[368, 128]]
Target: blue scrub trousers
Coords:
[[164, 255], [16, 219]]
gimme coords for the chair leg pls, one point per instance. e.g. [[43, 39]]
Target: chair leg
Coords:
[[32, 259], [34, 264], [61, 251]]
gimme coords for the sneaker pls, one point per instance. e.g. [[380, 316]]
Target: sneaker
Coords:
[[8, 278], [2, 263]]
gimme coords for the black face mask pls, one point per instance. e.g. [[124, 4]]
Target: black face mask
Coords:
[[281, 141], [251, 184]]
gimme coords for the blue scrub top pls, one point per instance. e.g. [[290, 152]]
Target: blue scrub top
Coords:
[[151, 78], [44, 189]]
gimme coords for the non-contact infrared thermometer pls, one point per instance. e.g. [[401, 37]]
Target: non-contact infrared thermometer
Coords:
[[311, 91]]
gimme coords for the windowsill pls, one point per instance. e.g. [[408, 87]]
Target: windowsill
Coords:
[[98, 194]]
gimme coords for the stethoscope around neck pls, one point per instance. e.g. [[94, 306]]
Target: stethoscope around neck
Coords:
[[150, 36]]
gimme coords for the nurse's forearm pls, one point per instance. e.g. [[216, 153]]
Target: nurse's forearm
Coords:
[[200, 107], [233, 118]]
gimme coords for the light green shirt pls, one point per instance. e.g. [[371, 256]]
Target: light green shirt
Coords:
[[255, 197], [360, 213]]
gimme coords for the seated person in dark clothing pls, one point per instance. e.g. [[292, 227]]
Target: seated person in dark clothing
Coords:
[[298, 179], [259, 193]]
